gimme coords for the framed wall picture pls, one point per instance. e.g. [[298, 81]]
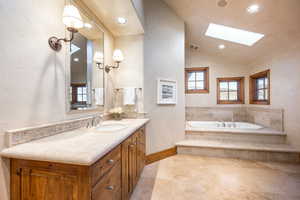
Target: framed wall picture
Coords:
[[166, 91]]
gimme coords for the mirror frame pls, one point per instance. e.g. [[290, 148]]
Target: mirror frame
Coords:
[[68, 69]]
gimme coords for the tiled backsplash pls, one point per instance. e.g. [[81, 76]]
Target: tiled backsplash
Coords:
[[271, 118], [19, 136]]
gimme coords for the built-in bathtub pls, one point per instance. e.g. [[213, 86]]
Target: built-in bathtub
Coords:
[[218, 126], [232, 131], [222, 125]]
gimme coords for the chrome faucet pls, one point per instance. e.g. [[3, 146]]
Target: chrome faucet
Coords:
[[233, 122], [223, 124], [95, 121]]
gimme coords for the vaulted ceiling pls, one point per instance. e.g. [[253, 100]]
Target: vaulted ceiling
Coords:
[[109, 10], [279, 20]]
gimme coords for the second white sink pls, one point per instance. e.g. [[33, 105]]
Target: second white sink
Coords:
[[111, 127]]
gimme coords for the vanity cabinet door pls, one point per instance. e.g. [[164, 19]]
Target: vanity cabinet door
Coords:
[[125, 168], [38, 180], [44, 185], [141, 152], [133, 170], [133, 162]]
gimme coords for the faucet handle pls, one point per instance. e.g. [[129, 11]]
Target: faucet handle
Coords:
[[88, 124]]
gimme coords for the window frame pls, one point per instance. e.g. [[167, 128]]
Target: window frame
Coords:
[[74, 93], [241, 90], [253, 88], [206, 80]]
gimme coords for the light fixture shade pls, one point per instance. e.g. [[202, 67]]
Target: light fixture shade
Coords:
[[71, 17], [98, 57], [118, 56]]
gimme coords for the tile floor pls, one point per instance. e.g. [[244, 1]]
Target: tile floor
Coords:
[[187, 177]]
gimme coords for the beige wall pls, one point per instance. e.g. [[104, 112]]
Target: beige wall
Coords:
[[131, 71], [218, 67], [32, 76], [285, 82], [164, 58]]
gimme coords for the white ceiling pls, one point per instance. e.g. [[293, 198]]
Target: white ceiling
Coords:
[[109, 10], [279, 20]]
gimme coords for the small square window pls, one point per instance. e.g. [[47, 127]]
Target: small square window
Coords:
[[260, 88], [79, 93], [197, 80], [230, 90]]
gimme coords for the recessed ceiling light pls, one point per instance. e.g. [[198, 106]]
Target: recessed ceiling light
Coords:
[[254, 8], [76, 59], [233, 34], [88, 25], [221, 46], [121, 20]]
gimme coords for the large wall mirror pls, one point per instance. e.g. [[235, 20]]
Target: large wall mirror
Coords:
[[86, 80]]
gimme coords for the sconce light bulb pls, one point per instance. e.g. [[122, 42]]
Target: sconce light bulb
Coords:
[[88, 25], [118, 56], [72, 17], [98, 57]]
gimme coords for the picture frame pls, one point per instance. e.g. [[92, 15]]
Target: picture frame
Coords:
[[166, 91]]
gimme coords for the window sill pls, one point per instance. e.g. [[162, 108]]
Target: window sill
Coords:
[[260, 102], [230, 102], [196, 91]]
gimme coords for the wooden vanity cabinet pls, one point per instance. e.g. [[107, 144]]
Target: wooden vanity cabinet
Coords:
[[113, 177]]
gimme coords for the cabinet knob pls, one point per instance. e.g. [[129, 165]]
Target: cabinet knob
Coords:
[[111, 187], [110, 161]]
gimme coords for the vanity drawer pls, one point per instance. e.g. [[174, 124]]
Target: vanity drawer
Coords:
[[109, 187], [101, 167]]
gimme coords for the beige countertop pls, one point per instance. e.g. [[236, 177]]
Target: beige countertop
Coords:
[[80, 147]]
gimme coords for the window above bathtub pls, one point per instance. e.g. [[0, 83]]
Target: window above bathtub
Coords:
[[230, 90], [259, 89], [197, 80]]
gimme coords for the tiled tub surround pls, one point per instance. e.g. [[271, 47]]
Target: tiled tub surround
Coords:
[[19, 136], [208, 138], [251, 132], [267, 117], [80, 147]]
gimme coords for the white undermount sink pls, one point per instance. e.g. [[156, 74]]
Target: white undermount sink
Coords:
[[111, 127]]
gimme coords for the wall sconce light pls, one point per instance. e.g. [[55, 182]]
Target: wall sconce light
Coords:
[[73, 21], [99, 59], [117, 57]]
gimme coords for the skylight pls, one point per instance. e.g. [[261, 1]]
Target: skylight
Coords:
[[233, 34], [74, 49]]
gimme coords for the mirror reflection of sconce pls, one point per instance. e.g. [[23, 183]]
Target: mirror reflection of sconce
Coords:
[[73, 22], [99, 59], [117, 57]]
